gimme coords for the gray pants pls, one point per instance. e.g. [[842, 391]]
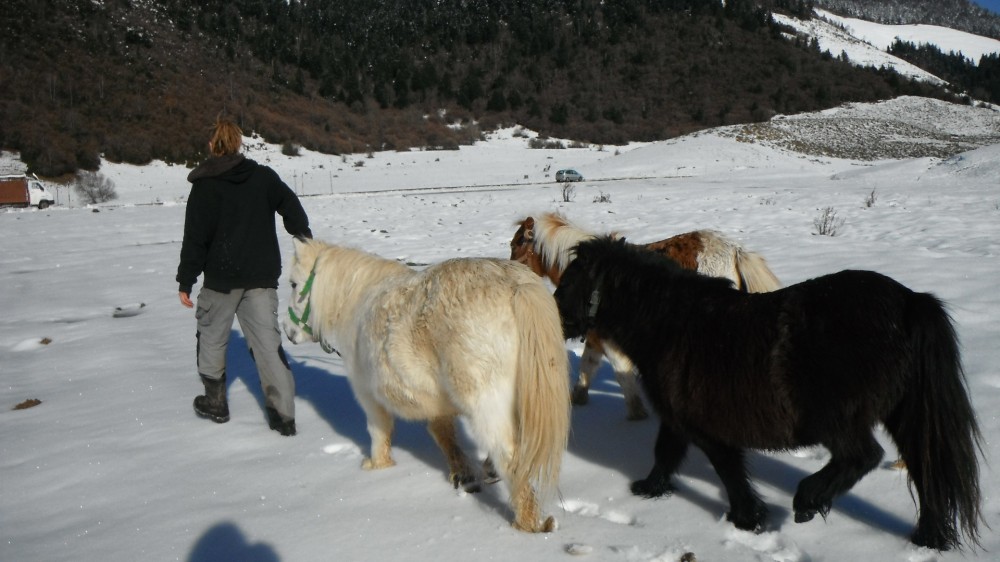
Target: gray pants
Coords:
[[257, 311]]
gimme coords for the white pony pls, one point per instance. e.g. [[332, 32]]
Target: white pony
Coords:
[[479, 338], [546, 245]]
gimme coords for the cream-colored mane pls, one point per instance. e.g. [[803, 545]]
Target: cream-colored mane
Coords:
[[555, 238]]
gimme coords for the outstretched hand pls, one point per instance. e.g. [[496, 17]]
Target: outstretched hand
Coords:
[[186, 299]]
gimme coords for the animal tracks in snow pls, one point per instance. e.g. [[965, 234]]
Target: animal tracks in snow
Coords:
[[588, 509], [770, 545]]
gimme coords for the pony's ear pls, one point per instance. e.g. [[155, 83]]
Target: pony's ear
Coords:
[[298, 242], [528, 235], [529, 228]]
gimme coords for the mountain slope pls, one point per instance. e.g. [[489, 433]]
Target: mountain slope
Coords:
[[956, 14]]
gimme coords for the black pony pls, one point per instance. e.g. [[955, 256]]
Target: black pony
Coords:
[[820, 362]]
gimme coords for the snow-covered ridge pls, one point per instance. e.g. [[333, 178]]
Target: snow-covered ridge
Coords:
[[905, 127], [866, 43], [972, 46], [840, 42]]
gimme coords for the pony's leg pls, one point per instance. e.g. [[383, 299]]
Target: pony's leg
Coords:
[[627, 375], [629, 381], [380, 425], [851, 457], [746, 510], [589, 363], [490, 474], [459, 473], [668, 454]]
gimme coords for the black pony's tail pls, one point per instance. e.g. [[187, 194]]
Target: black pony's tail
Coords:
[[936, 431]]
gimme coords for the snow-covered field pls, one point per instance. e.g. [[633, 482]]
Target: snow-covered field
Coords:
[[114, 465]]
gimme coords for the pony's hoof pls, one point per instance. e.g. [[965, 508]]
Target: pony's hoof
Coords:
[[581, 395], [806, 511], [490, 474], [467, 482], [755, 522], [805, 516], [651, 489], [369, 464], [546, 526]]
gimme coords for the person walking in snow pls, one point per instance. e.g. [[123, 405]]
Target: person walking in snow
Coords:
[[229, 236]]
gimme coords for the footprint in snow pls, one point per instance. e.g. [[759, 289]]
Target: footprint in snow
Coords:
[[588, 509], [127, 310], [343, 449], [771, 545]]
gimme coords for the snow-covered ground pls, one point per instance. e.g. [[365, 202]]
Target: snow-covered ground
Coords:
[[114, 465]]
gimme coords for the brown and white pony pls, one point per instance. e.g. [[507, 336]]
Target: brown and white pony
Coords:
[[545, 245]]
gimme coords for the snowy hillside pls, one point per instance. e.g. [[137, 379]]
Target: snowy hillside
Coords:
[[973, 47], [865, 43]]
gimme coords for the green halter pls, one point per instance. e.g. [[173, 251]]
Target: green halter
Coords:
[[303, 322]]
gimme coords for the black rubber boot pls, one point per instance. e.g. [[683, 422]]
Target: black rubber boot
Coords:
[[212, 404], [284, 427]]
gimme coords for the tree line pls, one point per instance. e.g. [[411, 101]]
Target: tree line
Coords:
[[979, 81], [131, 82]]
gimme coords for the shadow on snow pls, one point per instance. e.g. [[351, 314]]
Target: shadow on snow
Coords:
[[603, 436]]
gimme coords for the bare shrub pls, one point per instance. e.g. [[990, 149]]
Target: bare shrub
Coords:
[[94, 188], [540, 143], [568, 192], [289, 148], [827, 223], [870, 199], [602, 198]]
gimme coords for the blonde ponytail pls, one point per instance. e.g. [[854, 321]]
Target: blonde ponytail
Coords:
[[227, 138]]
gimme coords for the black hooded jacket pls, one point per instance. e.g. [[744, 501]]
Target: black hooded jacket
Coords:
[[229, 228]]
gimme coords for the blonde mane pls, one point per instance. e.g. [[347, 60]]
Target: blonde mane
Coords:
[[555, 238]]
